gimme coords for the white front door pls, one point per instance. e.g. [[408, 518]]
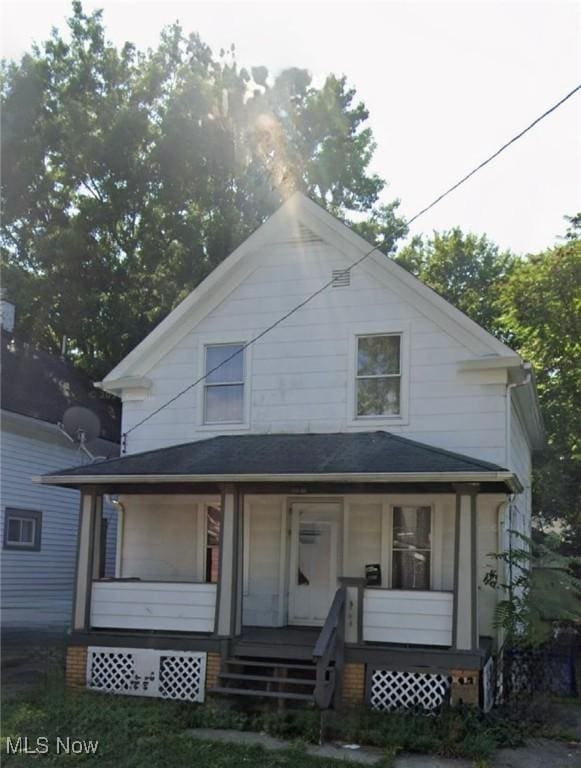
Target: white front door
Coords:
[[314, 560]]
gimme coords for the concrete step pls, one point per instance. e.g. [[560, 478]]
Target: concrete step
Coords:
[[223, 691], [270, 664], [266, 679]]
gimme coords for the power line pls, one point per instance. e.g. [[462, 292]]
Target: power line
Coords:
[[495, 154], [352, 266]]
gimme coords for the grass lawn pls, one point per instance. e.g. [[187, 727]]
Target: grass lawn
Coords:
[[149, 732], [130, 731]]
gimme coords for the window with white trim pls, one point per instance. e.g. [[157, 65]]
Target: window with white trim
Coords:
[[22, 529], [378, 375], [224, 387], [411, 547]]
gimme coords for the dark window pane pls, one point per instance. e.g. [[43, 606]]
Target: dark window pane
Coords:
[[212, 565], [27, 532], [411, 569], [378, 397], [13, 530], [233, 370], [378, 355], [411, 527], [224, 403], [214, 524]]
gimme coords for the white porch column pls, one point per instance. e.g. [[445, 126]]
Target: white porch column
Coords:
[[465, 629], [228, 609], [88, 546]]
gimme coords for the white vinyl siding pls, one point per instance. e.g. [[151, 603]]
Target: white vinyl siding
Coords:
[[264, 579], [153, 606], [302, 373], [417, 618]]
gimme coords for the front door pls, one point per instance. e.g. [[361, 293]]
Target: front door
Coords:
[[314, 560]]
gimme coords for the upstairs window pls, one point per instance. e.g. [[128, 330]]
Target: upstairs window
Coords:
[[378, 377], [412, 545], [22, 529], [224, 387]]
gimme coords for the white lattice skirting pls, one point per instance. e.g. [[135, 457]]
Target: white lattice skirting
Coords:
[[147, 672], [393, 689]]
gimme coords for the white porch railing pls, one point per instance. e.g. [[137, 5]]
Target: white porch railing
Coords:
[[183, 607], [411, 617]]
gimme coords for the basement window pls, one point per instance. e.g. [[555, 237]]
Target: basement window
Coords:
[[22, 529]]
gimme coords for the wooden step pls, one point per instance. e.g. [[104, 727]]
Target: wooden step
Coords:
[[270, 664], [265, 694], [266, 679]]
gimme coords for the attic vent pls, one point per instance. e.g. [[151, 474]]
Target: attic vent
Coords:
[[304, 235], [341, 278]]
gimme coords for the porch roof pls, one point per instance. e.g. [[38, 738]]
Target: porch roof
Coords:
[[339, 457]]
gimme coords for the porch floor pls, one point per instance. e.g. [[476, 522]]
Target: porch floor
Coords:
[[277, 642]]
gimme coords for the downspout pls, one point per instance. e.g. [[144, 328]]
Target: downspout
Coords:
[[508, 420]]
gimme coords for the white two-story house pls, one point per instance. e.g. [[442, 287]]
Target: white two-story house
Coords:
[[308, 512]]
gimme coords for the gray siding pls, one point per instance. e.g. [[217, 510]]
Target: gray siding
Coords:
[[37, 587]]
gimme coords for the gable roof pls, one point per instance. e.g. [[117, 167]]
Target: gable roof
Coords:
[[342, 456], [42, 386], [298, 214]]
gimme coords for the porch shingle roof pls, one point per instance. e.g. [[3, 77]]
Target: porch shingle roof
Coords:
[[349, 453]]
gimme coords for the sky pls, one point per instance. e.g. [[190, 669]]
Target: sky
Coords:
[[445, 83]]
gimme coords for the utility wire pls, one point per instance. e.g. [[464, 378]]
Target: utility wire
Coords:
[[356, 263]]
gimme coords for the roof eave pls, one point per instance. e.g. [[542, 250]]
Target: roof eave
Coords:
[[508, 478]]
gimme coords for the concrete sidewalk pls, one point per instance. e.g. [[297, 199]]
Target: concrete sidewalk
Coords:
[[538, 754]]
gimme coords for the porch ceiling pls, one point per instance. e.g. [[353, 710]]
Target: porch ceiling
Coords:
[[366, 457]]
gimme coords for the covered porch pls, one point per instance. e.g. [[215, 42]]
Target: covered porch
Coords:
[[326, 567]]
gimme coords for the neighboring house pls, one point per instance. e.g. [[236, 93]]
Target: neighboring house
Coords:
[[38, 525], [314, 519]]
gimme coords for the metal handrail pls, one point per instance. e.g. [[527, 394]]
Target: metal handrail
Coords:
[[329, 650]]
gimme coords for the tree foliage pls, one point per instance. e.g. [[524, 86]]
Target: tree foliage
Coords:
[[129, 175], [538, 587], [466, 269], [541, 318], [534, 305]]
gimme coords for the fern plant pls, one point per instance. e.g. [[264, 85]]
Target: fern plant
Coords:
[[539, 587]]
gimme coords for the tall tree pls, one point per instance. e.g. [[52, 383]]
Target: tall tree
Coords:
[[129, 175], [541, 317], [466, 269], [534, 305]]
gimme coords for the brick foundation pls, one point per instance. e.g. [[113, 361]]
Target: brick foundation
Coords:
[[353, 683], [76, 667], [213, 662], [465, 686]]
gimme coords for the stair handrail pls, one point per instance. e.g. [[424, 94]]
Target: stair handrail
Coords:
[[329, 648]]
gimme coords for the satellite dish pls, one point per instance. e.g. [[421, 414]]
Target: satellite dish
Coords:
[[81, 424]]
